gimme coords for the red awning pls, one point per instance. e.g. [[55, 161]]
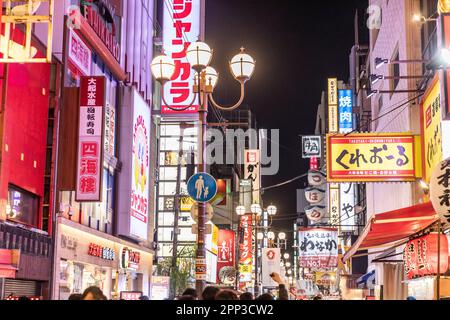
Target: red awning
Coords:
[[394, 226]]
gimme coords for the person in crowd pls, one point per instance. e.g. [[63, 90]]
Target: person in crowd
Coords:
[[226, 295], [246, 296], [210, 293], [190, 292], [187, 297], [318, 297], [265, 297], [144, 298], [93, 293], [24, 298], [76, 296], [282, 290], [411, 298]]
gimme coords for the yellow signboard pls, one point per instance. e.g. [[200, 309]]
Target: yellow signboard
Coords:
[[431, 129], [325, 279], [186, 204], [373, 157], [333, 124]]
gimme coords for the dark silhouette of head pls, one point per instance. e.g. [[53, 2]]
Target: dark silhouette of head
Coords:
[[190, 292], [144, 298], [246, 296], [210, 293], [93, 293], [76, 296], [265, 296], [226, 295], [186, 298], [24, 298]]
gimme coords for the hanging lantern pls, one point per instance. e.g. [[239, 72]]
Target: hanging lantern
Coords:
[[444, 6], [440, 191], [314, 195], [316, 178], [315, 213]]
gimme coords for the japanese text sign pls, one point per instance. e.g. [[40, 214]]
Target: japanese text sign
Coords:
[[80, 56], [421, 256], [431, 129], [345, 111], [90, 136], [318, 248], [333, 124], [226, 253], [373, 157], [440, 191], [181, 28], [252, 172], [311, 147], [270, 263], [245, 245]]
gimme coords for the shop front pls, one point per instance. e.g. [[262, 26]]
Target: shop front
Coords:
[[86, 257]]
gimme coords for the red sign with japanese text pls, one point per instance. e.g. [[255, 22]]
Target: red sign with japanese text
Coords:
[[90, 139], [245, 248], [226, 253], [421, 256], [80, 56], [181, 28], [314, 163]]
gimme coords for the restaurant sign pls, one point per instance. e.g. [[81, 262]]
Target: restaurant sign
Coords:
[[373, 157], [245, 248], [90, 139], [421, 256], [318, 248]]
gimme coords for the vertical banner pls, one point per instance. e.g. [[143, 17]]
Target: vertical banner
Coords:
[[226, 257], [333, 125], [252, 172], [345, 111], [318, 248], [314, 163], [347, 205], [181, 28], [90, 139], [140, 168], [245, 249], [334, 205], [271, 258]]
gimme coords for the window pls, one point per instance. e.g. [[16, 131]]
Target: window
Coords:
[[24, 206]]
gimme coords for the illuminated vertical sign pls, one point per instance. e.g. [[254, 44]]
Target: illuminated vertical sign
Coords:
[[345, 111], [246, 249], [333, 105], [347, 207], [90, 136], [226, 257], [252, 172], [140, 177], [334, 204], [181, 28]]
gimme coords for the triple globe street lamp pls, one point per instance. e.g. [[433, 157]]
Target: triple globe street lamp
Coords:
[[199, 56]]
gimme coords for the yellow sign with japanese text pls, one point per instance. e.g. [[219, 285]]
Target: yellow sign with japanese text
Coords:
[[379, 157], [431, 118]]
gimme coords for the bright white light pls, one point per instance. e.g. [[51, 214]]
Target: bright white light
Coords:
[[286, 255], [417, 17], [272, 210], [256, 209], [288, 264], [271, 235], [242, 66], [163, 68], [260, 235], [289, 272], [445, 55], [282, 236], [240, 210], [199, 55], [211, 76]]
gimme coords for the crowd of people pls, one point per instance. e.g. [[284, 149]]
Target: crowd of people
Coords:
[[210, 293]]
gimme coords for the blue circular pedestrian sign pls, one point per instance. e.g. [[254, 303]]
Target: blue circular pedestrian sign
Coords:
[[202, 187]]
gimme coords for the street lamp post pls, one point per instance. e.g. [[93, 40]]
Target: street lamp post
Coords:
[[199, 55]]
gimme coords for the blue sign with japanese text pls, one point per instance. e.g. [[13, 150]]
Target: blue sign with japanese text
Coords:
[[202, 187], [345, 111]]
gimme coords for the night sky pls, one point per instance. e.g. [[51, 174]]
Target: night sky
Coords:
[[297, 45]]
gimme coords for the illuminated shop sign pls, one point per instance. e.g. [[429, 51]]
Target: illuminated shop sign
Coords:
[[130, 259], [101, 252]]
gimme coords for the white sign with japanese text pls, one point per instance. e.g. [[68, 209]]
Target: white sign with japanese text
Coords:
[[79, 54], [347, 205], [90, 136], [270, 263], [311, 147], [318, 248], [252, 172]]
